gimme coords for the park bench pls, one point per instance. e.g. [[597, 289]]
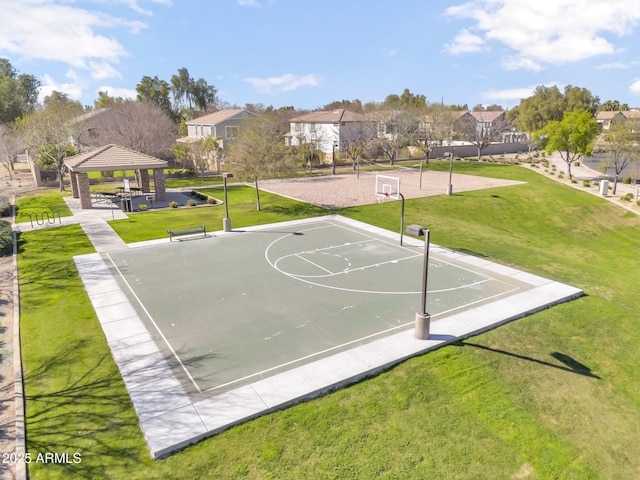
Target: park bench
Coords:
[[186, 231]]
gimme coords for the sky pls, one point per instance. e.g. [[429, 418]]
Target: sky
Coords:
[[306, 54]]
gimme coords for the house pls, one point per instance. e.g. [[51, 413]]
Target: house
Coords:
[[606, 119], [329, 130], [224, 125]]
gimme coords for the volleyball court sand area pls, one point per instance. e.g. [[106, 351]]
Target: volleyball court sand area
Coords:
[[339, 191]]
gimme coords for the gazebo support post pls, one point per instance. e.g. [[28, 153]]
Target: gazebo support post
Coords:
[[73, 178], [158, 180], [83, 190], [144, 181]]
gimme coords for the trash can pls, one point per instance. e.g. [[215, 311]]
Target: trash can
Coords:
[[125, 204], [604, 187]]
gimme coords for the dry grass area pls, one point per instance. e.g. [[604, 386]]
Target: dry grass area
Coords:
[[340, 191]]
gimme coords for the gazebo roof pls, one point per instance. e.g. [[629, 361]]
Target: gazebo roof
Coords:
[[112, 158]]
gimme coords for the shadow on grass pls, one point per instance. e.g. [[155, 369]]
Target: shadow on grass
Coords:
[[87, 410], [572, 366], [76, 415]]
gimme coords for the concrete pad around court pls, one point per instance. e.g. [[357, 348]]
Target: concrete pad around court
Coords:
[[213, 332]]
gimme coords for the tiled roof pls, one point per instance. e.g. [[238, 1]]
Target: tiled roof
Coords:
[[112, 158], [218, 117], [334, 116]]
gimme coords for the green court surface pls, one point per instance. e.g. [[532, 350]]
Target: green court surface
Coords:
[[234, 308]]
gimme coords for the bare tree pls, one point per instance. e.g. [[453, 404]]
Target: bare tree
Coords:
[[396, 128], [258, 153], [434, 128], [140, 126], [619, 142], [10, 147], [54, 133], [479, 132]]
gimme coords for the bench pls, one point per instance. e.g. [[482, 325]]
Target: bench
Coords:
[[186, 231]]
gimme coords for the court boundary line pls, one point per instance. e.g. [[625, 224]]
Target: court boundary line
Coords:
[[146, 312], [178, 422]]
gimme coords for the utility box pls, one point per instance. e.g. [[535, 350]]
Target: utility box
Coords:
[[604, 187]]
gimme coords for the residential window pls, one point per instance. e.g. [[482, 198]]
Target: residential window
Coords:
[[232, 131]]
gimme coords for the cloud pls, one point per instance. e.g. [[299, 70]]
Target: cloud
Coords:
[[516, 93], [73, 89], [249, 3], [116, 92], [390, 52], [465, 42], [60, 31], [545, 31], [283, 83], [634, 88]]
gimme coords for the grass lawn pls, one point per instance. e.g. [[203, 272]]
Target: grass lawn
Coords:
[[40, 202], [554, 395]]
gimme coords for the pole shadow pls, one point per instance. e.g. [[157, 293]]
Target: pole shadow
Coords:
[[572, 365]]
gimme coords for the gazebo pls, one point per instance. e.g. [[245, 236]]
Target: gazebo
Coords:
[[111, 158]]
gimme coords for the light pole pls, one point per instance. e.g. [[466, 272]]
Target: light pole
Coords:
[[423, 319], [226, 222], [450, 186], [333, 158]]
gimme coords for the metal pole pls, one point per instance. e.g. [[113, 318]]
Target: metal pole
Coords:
[[226, 222], [423, 319], [420, 175], [450, 186], [401, 219]]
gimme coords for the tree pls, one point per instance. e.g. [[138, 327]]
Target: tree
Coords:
[[619, 142], [481, 133], [435, 128], [10, 147], [155, 91], [577, 98], [572, 136], [613, 106], [18, 93], [140, 126], [258, 153], [53, 134], [104, 100]]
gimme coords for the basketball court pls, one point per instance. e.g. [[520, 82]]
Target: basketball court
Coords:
[[211, 332]]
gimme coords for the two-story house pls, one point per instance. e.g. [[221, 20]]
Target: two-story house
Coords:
[[328, 130], [224, 125]]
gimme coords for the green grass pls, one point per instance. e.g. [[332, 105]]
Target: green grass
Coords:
[[242, 211], [552, 396], [40, 202]]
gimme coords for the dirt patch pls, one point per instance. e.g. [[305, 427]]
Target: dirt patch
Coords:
[[339, 191]]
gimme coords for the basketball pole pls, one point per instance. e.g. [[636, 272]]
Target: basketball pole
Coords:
[[401, 219]]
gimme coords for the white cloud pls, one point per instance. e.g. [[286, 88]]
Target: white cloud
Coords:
[[73, 89], [635, 87], [125, 93], [547, 31], [465, 42], [249, 3], [283, 83], [515, 93], [390, 52]]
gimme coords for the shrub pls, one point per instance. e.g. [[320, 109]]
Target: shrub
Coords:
[[143, 207], [5, 207], [628, 197], [6, 239], [173, 204], [586, 183], [626, 180], [211, 201], [191, 203], [573, 180]]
